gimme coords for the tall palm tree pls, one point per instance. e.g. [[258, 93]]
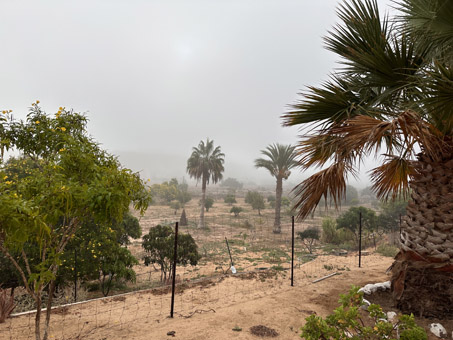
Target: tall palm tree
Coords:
[[205, 163], [392, 98], [280, 160]]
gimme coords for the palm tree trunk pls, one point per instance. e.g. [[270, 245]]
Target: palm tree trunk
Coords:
[[278, 204], [203, 198], [422, 274]]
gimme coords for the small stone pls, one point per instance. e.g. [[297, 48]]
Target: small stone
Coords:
[[438, 330], [171, 333], [391, 316], [365, 304]]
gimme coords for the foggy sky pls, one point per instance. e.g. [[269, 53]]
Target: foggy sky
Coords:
[[156, 77]]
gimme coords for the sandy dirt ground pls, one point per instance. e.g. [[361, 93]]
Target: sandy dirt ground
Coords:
[[210, 309]]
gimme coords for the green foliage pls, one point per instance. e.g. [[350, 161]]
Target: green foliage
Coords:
[[308, 237], [208, 203], [350, 220], [348, 322], [175, 205], [271, 198], [230, 199], [256, 200], [129, 227], [232, 183], [159, 247], [387, 250], [351, 196], [236, 211], [170, 191], [286, 202], [332, 235], [391, 211], [63, 181]]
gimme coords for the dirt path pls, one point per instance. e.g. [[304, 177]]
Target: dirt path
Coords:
[[215, 308]]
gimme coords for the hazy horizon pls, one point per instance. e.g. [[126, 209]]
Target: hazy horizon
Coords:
[[157, 77]]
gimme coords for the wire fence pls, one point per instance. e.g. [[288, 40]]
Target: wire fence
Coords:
[[261, 257]]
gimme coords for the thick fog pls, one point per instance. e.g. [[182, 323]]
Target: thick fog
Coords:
[[156, 77]]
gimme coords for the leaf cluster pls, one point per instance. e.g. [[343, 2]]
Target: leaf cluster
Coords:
[[347, 322]]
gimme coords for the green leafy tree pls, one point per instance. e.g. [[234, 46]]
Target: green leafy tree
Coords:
[[183, 195], [232, 183], [208, 203], [256, 200], [128, 228], [175, 205], [205, 164], [74, 182], [230, 199], [308, 237], [159, 247], [279, 160], [350, 220], [391, 212], [393, 96], [236, 210], [100, 253]]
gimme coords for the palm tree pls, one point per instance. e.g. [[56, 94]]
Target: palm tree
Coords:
[[205, 163], [392, 98], [280, 160]]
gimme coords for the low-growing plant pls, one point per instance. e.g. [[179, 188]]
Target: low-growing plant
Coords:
[[387, 250], [348, 322]]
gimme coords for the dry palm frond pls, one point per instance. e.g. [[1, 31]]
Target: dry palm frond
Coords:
[[318, 150], [330, 181], [366, 134], [392, 177], [416, 130]]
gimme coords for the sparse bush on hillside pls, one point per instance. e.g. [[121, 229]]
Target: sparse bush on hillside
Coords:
[[230, 199], [308, 237], [256, 200], [236, 211]]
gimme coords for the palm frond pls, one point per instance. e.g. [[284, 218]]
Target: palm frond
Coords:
[[439, 99], [392, 177], [328, 182]]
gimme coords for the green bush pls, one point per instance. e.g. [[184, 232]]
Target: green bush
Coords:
[[387, 250], [347, 322]]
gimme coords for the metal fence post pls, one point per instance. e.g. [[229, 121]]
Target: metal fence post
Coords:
[[173, 284], [360, 239], [292, 251]]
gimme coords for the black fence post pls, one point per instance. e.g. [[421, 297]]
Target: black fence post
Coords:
[[292, 251], [173, 284], [360, 239], [75, 275]]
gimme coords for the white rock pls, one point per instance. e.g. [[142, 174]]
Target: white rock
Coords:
[[365, 304], [438, 330], [391, 316], [372, 288]]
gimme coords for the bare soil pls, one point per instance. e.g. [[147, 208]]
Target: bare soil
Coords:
[[212, 310]]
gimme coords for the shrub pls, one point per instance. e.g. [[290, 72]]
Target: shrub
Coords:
[[348, 322], [236, 211], [308, 237], [387, 250], [230, 199]]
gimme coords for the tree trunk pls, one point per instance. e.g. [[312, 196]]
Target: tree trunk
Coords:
[[278, 204], [422, 274], [203, 198], [49, 309], [38, 315]]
